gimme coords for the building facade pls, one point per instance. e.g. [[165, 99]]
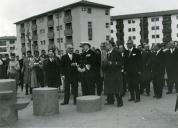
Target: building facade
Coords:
[[71, 24], [152, 27], [8, 45]]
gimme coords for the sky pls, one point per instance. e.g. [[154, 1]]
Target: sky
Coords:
[[14, 10]]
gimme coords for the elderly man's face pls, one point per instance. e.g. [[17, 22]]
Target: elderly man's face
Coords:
[[70, 49], [51, 53], [130, 44]]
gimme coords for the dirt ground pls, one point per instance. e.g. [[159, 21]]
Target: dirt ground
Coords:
[[149, 113]]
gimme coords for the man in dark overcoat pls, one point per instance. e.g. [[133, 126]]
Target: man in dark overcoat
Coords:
[[113, 82], [132, 69]]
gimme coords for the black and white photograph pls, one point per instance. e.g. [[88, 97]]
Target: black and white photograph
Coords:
[[89, 64]]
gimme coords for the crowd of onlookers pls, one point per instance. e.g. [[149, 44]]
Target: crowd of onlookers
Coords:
[[113, 69]]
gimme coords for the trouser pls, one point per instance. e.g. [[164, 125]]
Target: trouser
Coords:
[[27, 88], [133, 85], [145, 85], [158, 82], [124, 83], [110, 98], [99, 85], [88, 84], [70, 84], [171, 81]]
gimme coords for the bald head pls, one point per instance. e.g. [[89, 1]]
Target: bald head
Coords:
[[69, 48], [130, 44]]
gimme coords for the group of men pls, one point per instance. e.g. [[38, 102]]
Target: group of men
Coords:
[[112, 69]]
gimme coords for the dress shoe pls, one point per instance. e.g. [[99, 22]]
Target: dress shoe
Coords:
[[64, 103], [169, 93], [108, 103], [137, 100], [119, 104], [131, 99]]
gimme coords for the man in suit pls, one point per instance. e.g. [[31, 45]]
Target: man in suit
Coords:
[[27, 72], [171, 61], [132, 69], [87, 68], [69, 72], [146, 70], [158, 71]]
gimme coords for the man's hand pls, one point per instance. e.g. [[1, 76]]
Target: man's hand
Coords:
[[110, 62]]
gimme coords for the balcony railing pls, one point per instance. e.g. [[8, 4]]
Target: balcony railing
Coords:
[[68, 32], [67, 19], [50, 23], [22, 30], [35, 38], [34, 27], [22, 39], [51, 35]]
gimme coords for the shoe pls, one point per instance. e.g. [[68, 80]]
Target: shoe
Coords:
[[131, 99], [64, 103], [154, 97], [169, 93], [148, 94], [137, 100], [120, 105], [108, 103]]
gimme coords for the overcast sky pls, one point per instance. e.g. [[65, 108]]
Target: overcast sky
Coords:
[[15, 10]]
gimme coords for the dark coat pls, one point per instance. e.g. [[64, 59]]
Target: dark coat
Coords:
[[113, 82], [133, 63], [171, 62], [70, 72], [158, 67], [52, 72]]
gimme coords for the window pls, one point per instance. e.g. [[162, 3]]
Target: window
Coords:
[[157, 19], [2, 43], [3, 49], [112, 31], [153, 28], [58, 40], [129, 21], [111, 23], [83, 9], [107, 38], [157, 36], [107, 12], [61, 40], [12, 48], [177, 25], [153, 36], [133, 29], [133, 21], [89, 10], [157, 27], [177, 34], [107, 25], [12, 42], [177, 17], [43, 42], [90, 31], [129, 29], [42, 31], [57, 28], [154, 19], [129, 38], [41, 20], [134, 37]]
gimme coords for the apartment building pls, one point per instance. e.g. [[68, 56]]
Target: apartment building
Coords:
[[8, 45], [151, 27], [71, 24]]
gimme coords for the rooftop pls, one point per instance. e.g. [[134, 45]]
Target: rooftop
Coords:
[[80, 3], [147, 14], [8, 38]]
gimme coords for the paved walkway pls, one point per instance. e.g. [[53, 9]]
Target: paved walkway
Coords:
[[149, 113]]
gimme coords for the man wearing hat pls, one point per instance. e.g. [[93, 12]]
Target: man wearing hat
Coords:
[[87, 68], [132, 69]]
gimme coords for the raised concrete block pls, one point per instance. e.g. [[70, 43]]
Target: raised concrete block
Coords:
[[8, 113], [87, 104], [45, 101]]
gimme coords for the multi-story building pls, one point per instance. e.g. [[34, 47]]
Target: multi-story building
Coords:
[[71, 24], [8, 45], [152, 27]]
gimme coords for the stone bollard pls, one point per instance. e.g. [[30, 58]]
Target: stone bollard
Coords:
[[8, 113], [87, 104], [9, 105], [45, 101]]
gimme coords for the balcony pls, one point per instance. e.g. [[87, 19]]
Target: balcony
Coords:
[[51, 35], [67, 19], [68, 32], [34, 27], [34, 38], [50, 23], [22, 39], [22, 30]]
